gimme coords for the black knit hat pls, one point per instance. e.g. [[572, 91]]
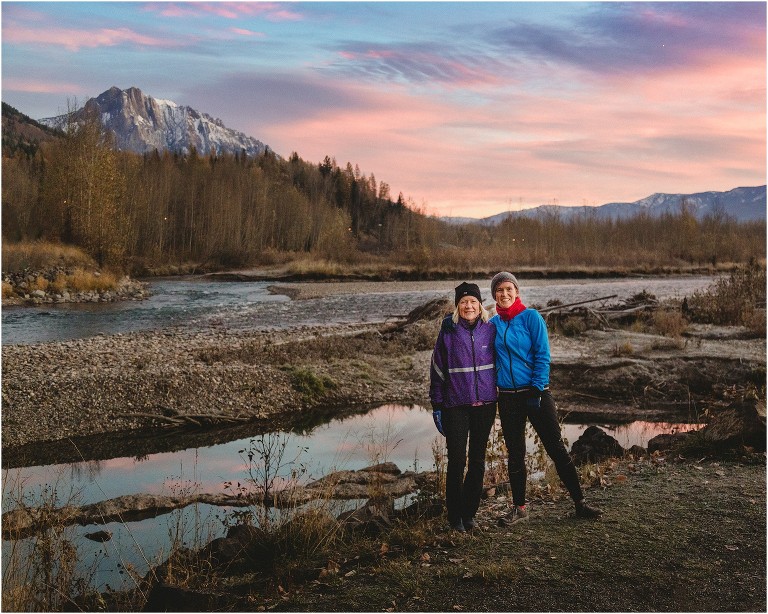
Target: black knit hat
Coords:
[[465, 289]]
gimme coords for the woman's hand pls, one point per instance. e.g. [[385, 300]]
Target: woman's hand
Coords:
[[534, 399], [437, 416]]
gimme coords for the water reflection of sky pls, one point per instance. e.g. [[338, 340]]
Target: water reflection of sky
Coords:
[[403, 435]]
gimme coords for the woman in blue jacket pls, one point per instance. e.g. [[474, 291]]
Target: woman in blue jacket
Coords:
[[522, 374], [463, 395]]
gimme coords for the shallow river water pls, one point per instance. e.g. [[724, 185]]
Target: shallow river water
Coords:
[[200, 303]]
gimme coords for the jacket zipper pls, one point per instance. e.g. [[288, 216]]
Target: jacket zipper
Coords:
[[474, 364], [509, 352]]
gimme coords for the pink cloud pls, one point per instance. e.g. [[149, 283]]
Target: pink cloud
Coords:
[[244, 32], [35, 86], [418, 65], [73, 39], [229, 10]]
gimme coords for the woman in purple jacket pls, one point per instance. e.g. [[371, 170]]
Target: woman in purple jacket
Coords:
[[463, 395]]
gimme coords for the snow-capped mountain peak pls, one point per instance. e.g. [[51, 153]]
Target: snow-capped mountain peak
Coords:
[[142, 124]]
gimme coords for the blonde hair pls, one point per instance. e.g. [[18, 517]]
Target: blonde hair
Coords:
[[484, 315]]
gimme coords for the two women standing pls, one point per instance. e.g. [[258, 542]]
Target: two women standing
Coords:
[[463, 392]]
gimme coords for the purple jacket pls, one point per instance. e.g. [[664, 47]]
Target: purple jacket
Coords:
[[463, 370]]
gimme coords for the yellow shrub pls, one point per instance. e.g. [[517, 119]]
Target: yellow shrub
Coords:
[[42, 255], [7, 290], [40, 283], [59, 284], [83, 281]]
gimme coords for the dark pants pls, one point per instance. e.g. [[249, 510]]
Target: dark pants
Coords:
[[462, 493], [513, 413]]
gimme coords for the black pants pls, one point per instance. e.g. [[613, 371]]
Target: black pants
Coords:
[[513, 412], [462, 493]]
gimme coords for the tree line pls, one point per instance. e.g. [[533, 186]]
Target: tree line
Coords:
[[135, 212]]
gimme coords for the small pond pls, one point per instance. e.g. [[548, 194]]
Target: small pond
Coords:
[[403, 435]]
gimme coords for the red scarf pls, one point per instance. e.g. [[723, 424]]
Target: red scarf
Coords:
[[511, 311]]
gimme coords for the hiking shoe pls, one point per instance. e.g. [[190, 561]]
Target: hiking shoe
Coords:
[[469, 524], [516, 514], [458, 526], [587, 511]]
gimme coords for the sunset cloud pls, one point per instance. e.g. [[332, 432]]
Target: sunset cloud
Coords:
[[428, 63], [74, 40], [272, 11]]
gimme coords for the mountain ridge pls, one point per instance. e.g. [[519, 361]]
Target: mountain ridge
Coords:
[[143, 124], [744, 204]]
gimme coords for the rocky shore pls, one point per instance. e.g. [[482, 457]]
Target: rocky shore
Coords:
[[21, 288]]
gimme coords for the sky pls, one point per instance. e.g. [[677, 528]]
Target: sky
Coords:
[[466, 108]]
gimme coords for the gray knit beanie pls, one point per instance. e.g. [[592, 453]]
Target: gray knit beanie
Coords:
[[500, 277]]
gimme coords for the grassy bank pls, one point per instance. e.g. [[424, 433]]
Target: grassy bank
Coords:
[[677, 535], [682, 537]]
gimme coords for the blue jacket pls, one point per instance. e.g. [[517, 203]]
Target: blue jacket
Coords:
[[522, 351], [462, 371]]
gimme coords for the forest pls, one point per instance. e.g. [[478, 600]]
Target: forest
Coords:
[[137, 213]]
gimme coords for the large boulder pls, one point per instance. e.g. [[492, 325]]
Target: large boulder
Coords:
[[740, 424], [595, 445], [666, 441]]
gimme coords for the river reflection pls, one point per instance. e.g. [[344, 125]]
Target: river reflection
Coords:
[[403, 435]]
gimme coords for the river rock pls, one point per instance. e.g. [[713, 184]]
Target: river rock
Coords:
[[595, 445], [99, 536], [741, 424], [372, 518], [666, 441]]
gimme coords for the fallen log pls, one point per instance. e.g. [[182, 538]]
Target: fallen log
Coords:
[[376, 481], [592, 300], [178, 419]]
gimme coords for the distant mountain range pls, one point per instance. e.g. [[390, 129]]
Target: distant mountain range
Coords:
[[741, 204], [142, 124]]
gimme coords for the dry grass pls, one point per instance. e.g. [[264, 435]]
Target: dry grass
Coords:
[[42, 573], [669, 322], [85, 281], [623, 349], [38, 255]]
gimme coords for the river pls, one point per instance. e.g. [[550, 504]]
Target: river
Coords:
[[198, 303]]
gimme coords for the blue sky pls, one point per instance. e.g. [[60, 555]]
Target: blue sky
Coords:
[[467, 108]]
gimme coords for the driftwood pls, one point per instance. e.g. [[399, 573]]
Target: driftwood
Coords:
[[592, 300], [383, 480], [605, 316], [172, 417]]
